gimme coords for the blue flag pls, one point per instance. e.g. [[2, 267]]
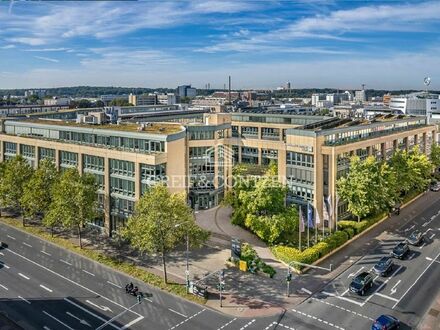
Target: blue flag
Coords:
[[310, 223]]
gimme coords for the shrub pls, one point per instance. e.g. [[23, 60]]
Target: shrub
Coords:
[[248, 253], [336, 239], [358, 227], [268, 270], [350, 232]]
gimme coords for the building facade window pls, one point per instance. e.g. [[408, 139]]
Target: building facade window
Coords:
[[122, 187], [299, 159], [46, 153], [270, 133], [68, 159], [249, 132], [93, 163], [122, 168]]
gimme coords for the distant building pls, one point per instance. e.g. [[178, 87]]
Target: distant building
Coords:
[[110, 97], [360, 96], [167, 99], [386, 99], [317, 97], [324, 104], [186, 91], [61, 101], [38, 92], [418, 104], [144, 99]]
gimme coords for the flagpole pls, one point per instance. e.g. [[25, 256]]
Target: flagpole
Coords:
[[299, 227], [316, 226], [308, 224]]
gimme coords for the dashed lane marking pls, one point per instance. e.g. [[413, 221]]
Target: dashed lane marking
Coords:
[[24, 276], [28, 245], [114, 284], [59, 321], [46, 327], [318, 319], [276, 324], [85, 271], [342, 308], [45, 288], [178, 313], [342, 298], [2, 286], [11, 237], [44, 252], [226, 324], [25, 300], [4, 265], [65, 262], [432, 236], [306, 291], [186, 320], [247, 324]]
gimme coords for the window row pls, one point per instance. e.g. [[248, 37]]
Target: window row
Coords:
[[122, 167], [122, 187], [299, 159]]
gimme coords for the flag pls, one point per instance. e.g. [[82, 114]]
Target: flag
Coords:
[[301, 220], [325, 214], [318, 219], [330, 208], [309, 216]]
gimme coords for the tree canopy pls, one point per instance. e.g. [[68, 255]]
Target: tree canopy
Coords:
[[161, 222]]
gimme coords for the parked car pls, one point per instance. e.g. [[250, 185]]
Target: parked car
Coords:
[[361, 283], [400, 250], [435, 187], [386, 322], [383, 266], [416, 238]]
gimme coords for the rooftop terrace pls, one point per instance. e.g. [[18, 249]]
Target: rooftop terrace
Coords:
[[149, 128]]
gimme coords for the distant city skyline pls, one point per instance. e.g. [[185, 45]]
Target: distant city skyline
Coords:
[[261, 44]]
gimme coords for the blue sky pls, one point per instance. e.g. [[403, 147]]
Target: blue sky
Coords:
[[260, 43]]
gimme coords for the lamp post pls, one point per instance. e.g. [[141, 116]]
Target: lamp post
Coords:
[[187, 257]]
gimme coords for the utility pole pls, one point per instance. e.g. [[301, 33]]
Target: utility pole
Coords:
[[221, 284], [187, 262], [288, 279]]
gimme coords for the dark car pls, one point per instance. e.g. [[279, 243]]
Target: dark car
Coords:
[[435, 187], [361, 283], [400, 250], [385, 322], [416, 238], [383, 266]]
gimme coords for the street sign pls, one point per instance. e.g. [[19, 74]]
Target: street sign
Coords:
[[235, 248], [243, 265]]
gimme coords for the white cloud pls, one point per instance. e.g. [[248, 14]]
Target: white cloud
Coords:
[[48, 50], [48, 59], [7, 47], [28, 41]]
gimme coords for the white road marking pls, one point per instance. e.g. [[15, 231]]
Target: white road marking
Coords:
[[114, 284], [104, 308], [342, 298], [84, 322], [2, 286], [225, 325], [89, 312], [45, 288], [172, 310], [432, 236], [421, 246], [129, 324], [412, 227], [383, 284], [430, 259], [24, 243], [66, 262], [319, 320], [24, 276], [306, 291], [25, 300], [354, 274], [85, 271], [418, 278], [2, 254], [60, 322], [44, 252], [344, 293], [13, 238], [425, 224], [341, 308], [46, 327], [393, 289], [4, 265], [186, 320], [77, 284], [385, 296], [412, 256], [247, 324]]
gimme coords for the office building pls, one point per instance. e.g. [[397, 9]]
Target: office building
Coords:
[[196, 157], [59, 101], [360, 96], [186, 91], [417, 104], [167, 99], [317, 97], [144, 99]]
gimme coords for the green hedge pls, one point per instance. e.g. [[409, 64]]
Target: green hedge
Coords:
[[358, 227]]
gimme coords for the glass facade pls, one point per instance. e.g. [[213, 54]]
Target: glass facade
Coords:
[[249, 155], [122, 168], [10, 150], [68, 159], [300, 176], [46, 153]]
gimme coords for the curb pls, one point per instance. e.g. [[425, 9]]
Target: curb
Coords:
[[339, 248]]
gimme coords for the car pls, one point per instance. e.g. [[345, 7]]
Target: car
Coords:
[[416, 238], [435, 187], [400, 250], [383, 266], [361, 283], [386, 322]]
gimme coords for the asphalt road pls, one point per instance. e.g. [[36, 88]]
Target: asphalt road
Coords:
[[46, 287]]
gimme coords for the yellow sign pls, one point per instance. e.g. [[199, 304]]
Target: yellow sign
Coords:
[[243, 265]]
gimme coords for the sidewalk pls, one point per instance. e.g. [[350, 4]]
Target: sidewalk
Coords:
[[431, 320]]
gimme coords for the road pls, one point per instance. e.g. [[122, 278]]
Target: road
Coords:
[[46, 287]]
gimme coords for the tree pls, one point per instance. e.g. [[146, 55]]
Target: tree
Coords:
[[120, 102], [399, 165], [359, 187], [36, 198], [73, 201], [99, 104], [16, 172], [160, 223], [435, 155], [419, 169]]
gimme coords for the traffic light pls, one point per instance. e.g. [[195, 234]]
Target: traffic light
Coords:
[[289, 277]]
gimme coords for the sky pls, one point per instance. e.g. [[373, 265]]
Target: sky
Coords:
[[260, 43]]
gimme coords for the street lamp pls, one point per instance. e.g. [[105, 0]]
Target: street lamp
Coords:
[[187, 256]]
